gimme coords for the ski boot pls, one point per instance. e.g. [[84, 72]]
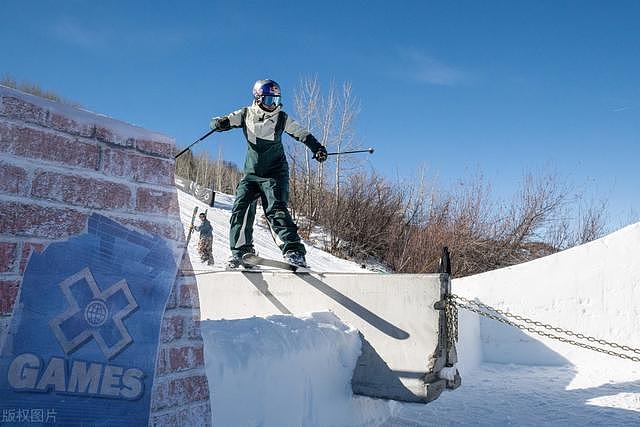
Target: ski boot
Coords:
[[235, 261], [296, 258]]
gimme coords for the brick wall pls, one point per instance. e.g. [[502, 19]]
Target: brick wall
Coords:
[[58, 165]]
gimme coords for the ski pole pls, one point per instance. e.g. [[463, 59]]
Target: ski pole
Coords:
[[194, 143], [368, 150]]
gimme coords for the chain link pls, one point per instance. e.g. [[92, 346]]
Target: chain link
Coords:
[[504, 316], [451, 316]]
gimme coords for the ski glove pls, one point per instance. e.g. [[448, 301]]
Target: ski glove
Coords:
[[220, 123], [321, 154]]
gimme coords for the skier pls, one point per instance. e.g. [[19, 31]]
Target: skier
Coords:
[[266, 173], [206, 239]]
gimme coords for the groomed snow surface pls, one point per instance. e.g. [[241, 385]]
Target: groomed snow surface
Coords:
[[296, 371]]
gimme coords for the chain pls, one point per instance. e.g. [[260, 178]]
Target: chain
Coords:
[[504, 316], [451, 316]]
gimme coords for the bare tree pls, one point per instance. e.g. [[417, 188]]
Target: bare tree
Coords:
[[307, 102], [330, 117], [218, 174], [405, 225]]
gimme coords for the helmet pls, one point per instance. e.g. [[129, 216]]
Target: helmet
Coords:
[[266, 93]]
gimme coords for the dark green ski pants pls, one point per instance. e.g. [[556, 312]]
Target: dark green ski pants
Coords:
[[274, 196]]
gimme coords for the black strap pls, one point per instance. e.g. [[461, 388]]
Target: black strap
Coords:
[[244, 115], [281, 123]]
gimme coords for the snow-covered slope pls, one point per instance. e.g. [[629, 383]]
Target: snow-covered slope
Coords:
[[288, 371], [593, 289], [219, 216]]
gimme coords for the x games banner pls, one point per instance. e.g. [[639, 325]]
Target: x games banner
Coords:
[[201, 193], [82, 344]]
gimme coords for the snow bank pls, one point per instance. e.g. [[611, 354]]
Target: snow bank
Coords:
[[469, 346], [593, 289], [258, 366]]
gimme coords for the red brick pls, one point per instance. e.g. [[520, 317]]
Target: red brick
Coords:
[[80, 191], [184, 358], [186, 268], [8, 256], [37, 144], [156, 201], [20, 109], [65, 124], [167, 420], [8, 294], [160, 229], [13, 179], [138, 168], [162, 362], [108, 135], [189, 296], [192, 327], [172, 302], [196, 415], [27, 249], [187, 416], [17, 108], [172, 328], [180, 392], [179, 359], [159, 148], [32, 220], [6, 138]]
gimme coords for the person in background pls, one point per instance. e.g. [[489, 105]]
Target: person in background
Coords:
[[206, 239]]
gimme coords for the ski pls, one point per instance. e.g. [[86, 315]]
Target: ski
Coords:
[[256, 260], [193, 220]]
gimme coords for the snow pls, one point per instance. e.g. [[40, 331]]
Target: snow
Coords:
[[86, 118], [292, 371], [593, 289], [302, 364], [521, 395], [219, 216]]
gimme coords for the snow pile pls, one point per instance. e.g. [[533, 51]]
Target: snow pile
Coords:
[[592, 289], [262, 365]]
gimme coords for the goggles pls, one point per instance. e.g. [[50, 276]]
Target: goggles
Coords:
[[270, 101]]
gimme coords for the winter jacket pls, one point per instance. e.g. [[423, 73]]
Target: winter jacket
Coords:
[[205, 229], [263, 131]]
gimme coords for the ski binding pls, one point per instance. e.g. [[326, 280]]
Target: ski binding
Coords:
[[255, 260]]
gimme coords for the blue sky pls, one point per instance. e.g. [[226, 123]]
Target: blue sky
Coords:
[[503, 87]]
